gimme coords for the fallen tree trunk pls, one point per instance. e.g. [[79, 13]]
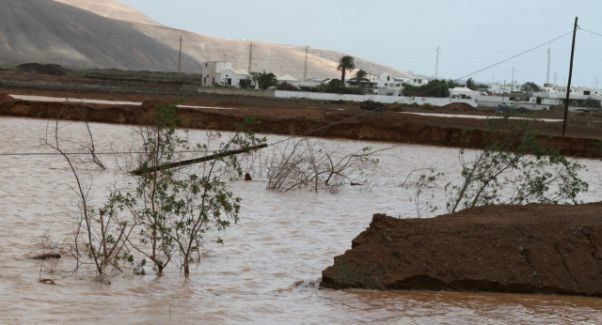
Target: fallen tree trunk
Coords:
[[547, 249], [146, 170]]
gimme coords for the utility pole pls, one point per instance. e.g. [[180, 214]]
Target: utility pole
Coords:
[[250, 57], [568, 87], [438, 51], [549, 65], [512, 84], [180, 57], [305, 67]]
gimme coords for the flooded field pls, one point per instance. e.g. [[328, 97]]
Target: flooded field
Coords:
[[269, 267]]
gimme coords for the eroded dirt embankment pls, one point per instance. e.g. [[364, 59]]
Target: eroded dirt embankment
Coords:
[[533, 249], [348, 124]]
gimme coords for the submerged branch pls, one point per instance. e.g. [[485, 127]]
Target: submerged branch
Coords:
[[142, 171]]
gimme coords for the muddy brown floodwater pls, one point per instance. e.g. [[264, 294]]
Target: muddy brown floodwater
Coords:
[[267, 271]]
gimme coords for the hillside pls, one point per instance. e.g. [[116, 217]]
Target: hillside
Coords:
[[46, 31], [108, 34], [110, 9]]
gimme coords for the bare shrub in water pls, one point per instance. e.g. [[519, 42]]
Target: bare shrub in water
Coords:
[[101, 234], [309, 164], [171, 210], [423, 181]]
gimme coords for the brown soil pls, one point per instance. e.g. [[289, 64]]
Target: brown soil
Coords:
[[296, 118], [532, 249], [4, 98]]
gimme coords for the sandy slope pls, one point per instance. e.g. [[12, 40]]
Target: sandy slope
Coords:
[[117, 36], [46, 31]]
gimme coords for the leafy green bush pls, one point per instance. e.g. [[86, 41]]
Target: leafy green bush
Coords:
[[286, 86], [435, 88], [336, 86]]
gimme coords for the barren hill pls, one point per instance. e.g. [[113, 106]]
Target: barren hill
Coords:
[[111, 9], [46, 31], [108, 34]]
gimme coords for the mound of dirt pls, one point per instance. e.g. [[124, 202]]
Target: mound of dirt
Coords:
[[4, 98], [459, 107], [546, 249]]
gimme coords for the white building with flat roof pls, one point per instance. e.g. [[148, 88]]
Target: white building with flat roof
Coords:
[[222, 74], [464, 92]]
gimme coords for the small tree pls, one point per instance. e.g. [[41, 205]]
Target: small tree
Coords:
[[346, 63], [101, 234], [175, 210], [512, 169], [435, 88], [530, 87], [360, 75], [515, 170], [336, 86], [470, 84], [265, 80]]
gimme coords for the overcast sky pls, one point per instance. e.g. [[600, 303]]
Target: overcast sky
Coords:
[[404, 34]]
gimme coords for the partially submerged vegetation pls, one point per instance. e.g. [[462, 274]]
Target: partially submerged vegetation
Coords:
[[512, 169], [507, 229], [309, 164], [169, 213]]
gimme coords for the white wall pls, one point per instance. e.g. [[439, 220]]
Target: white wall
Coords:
[[439, 102], [225, 74]]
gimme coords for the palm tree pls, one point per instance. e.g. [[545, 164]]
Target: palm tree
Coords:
[[347, 63], [360, 75]]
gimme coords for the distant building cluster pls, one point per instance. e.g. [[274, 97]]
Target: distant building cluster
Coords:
[[528, 96]]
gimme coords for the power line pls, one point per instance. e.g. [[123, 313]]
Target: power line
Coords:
[[515, 56], [8, 154], [589, 31]]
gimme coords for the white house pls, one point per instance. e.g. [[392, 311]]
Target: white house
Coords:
[[289, 80], [413, 81], [464, 92], [386, 85], [312, 83], [222, 73], [579, 97]]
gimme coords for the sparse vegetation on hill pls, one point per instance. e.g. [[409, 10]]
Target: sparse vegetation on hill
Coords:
[[49, 69]]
